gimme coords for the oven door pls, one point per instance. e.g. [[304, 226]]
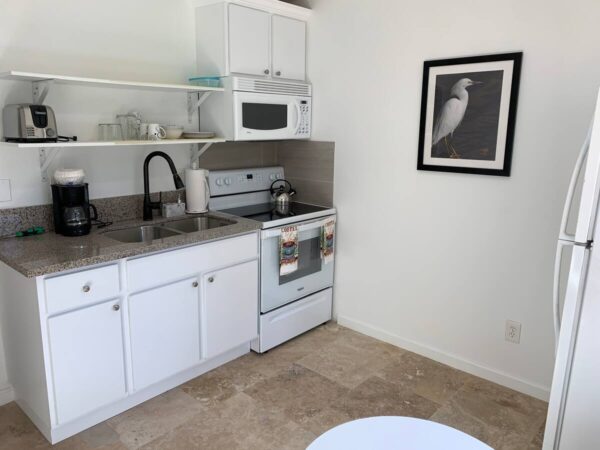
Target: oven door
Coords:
[[268, 116], [312, 275]]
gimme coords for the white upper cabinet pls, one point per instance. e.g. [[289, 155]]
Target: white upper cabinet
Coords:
[[236, 39], [289, 48], [248, 41]]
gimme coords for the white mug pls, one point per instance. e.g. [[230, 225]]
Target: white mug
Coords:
[[156, 132]]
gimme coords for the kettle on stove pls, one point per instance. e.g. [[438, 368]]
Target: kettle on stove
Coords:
[[283, 193]]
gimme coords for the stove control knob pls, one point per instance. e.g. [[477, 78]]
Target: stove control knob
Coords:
[[279, 177], [272, 177], [227, 181], [219, 182]]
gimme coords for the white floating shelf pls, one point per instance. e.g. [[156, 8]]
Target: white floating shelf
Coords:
[[67, 79], [72, 144]]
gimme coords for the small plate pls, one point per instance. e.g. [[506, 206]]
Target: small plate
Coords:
[[198, 135]]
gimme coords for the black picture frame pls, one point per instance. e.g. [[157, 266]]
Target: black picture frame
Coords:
[[505, 108]]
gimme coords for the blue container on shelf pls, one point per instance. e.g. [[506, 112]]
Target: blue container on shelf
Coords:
[[206, 81]]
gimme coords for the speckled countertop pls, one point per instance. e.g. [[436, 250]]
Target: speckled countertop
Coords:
[[49, 253]]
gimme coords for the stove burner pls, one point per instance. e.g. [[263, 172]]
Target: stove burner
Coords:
[[268, 212]]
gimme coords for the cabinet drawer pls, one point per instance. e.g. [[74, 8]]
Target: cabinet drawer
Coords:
[[158, 269], [81, 288]]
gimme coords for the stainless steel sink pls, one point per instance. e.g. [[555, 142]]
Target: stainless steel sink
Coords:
[[147, 233], [194, 224]]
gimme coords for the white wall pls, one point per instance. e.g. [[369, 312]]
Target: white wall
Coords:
[[150, 40], [437, 262], [140, 40]]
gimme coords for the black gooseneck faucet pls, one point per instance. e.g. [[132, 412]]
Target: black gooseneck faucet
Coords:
[[149, 205]]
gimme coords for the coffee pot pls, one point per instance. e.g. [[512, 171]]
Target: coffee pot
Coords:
[[72, 208]]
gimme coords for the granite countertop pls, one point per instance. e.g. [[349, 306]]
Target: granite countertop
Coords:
[[50, 252]]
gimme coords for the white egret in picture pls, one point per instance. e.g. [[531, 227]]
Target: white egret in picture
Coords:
[[452, 114], [467, 106]]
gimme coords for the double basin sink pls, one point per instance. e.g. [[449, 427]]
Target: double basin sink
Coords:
[[149, 233]]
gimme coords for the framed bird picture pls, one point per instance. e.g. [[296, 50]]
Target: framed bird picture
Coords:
[[468, 109]]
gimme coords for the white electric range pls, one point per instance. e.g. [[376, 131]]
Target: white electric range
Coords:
[[289, 304]]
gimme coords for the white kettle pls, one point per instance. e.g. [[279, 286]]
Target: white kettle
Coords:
[[197, 192]]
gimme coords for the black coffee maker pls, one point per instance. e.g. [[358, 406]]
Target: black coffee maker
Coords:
[[72, 209]]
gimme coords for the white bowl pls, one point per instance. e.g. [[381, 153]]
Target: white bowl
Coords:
[[69, 177], [173, 131]]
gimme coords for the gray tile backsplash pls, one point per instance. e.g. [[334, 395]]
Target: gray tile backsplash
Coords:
[[309, 166], [236, 155]]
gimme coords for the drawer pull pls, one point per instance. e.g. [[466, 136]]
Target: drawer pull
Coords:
[[86, 288], [116, 307], [195, 284], [211, 279]]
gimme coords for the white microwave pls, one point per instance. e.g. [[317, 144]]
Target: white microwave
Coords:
[[258, 109]]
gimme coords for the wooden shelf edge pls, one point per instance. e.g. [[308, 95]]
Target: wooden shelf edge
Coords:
[[112, 143], [33, 76]]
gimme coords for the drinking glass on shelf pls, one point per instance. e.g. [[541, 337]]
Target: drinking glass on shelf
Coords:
[[130, 125], [110, 132]]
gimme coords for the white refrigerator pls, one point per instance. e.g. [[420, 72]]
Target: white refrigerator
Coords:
[[573, 421]]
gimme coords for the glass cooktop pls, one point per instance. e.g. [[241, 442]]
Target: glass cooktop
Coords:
[[270, 212]]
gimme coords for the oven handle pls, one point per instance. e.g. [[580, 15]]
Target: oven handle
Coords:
[[304, 226]]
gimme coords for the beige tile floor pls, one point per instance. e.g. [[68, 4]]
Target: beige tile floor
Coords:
[[288, 396]]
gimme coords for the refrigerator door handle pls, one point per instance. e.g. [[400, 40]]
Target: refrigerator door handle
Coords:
[[563, 234], [556, 289]]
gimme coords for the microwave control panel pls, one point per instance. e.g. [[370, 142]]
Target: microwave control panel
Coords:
[[304, 127]]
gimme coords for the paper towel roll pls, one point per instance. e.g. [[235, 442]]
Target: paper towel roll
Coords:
[[196, 190]]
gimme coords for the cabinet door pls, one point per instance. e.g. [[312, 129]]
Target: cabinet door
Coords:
[[230, 308], [165, 331], [289, 48], [86, 348], [249, 35]]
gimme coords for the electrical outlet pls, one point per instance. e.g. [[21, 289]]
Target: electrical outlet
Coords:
[[5, 194], [512, 333]]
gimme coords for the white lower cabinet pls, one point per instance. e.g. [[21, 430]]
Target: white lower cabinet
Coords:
[[230, 307], [165, 331], [86, 345], [88, 363]]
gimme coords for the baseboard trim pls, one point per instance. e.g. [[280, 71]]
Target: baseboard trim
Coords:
[[7, 394], [449, 359]]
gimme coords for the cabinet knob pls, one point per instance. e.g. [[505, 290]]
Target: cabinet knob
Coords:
[[195, 284], [211, 279], [278, 73], [86, 288], [116, 307], [267, 71]]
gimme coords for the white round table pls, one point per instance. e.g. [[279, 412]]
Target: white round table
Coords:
[[395, 433]]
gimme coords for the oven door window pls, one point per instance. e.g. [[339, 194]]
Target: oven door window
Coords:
[[309, 260], [264, 116]]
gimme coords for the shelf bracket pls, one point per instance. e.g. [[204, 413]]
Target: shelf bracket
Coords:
[[195, 99], [40, 90], [197, 151], [47, 155]]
